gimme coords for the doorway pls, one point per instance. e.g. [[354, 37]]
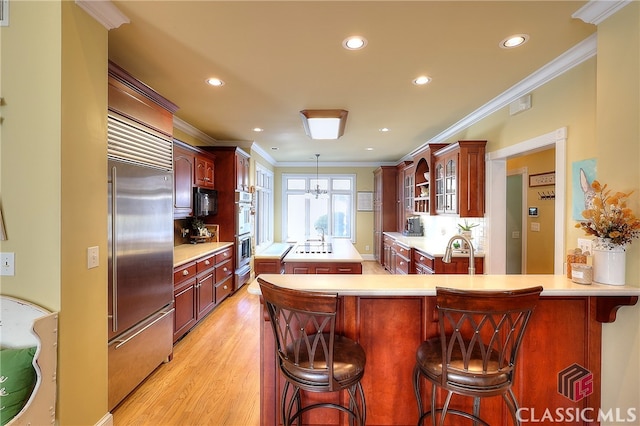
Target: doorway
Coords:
[[496, 181], [515, 243]]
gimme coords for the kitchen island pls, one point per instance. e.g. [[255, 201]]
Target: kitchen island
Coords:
[[334, 256], [390, 315]]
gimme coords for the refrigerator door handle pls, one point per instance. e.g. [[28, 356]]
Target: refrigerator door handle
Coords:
[[114, 250], [122, 342]]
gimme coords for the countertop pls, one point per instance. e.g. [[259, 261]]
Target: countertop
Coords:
[[187, 252], [274, 251], [434, 246], [342, 251], [425, 285]]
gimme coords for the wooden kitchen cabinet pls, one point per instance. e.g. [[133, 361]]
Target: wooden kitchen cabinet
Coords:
[[406, 192], [323, 268], [424, 188], [204, 171], [183, 174], [459, 174], [384, 207], [424, 263], [184, 295], [242, 171], [200, 286]]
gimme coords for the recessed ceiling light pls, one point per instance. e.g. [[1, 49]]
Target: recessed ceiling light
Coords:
[[384, 129], [422, 80], [216, 82], [369, 149], [258, 129], [354, 43], [514, 41]]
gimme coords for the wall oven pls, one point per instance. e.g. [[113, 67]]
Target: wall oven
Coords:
[[243, 213], [243, 248]]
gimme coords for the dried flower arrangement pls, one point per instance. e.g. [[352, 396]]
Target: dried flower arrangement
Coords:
[[609, 217]]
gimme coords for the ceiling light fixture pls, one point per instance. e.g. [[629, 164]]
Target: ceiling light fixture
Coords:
[[514, 41], [215, 82], [258, 129], [422, 80], [384, 130], [354, 43], [317, 193], [324, 123]]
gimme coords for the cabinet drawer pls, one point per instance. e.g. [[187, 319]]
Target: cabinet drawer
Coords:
[[401, 250], [423, 259], [183, 272], [206, 263], [402, 265], [224, 270], [223, 289], [224, 255]]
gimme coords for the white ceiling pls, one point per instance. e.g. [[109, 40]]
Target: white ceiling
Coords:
[[278, 58]]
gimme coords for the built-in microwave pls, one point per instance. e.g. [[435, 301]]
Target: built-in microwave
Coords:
[[205, 202]]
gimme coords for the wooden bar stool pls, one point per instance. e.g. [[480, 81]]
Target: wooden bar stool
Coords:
[[475, 354], [310, 355]]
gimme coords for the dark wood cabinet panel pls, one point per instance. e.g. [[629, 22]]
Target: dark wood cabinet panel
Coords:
[[183, 163], [391, 328], [384, 207], [322, 268], [204, 171]]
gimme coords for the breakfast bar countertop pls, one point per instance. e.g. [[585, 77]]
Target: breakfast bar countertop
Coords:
[[425, 285]]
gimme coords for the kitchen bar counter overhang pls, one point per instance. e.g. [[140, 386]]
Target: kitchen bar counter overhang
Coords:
[[391, 315]]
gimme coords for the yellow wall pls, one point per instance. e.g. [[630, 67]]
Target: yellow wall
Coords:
[[53, 181]]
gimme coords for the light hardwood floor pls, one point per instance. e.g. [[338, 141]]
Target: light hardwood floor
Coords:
[[214, 377]]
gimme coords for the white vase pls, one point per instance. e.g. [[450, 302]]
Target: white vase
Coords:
[[608, 262]]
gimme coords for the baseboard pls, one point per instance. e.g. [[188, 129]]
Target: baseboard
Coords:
[[367, 257], [106, 420]]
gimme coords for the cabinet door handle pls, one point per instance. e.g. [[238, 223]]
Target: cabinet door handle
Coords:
[[421, 258], [225, 287], [206, 262], [185, 272], [225, 269]]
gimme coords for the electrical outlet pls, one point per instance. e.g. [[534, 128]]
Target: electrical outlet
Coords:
[[93, 254], [535, 226], [584, 244], [366, 248], [7, 264]]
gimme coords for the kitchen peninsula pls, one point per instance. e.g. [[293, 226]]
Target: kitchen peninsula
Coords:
[[390, 315]]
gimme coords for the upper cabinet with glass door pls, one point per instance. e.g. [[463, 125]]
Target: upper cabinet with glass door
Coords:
[[459, 173], [424, 191]]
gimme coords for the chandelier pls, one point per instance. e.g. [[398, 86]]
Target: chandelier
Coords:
[[317, 193]]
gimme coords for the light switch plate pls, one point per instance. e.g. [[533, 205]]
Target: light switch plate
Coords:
[[7, 264], [93, 254], [535, 226]]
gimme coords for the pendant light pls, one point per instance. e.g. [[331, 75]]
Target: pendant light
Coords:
[[317, 193]]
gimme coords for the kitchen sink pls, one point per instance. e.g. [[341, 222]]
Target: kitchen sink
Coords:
[[314, 247]]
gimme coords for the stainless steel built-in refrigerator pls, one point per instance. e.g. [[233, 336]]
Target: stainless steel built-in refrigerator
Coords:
[[140, 274]]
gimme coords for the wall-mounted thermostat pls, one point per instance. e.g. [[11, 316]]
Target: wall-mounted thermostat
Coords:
[[533, 212]]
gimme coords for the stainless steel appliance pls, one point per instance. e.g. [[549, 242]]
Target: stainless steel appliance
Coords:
[[243, 238], [140, 268]]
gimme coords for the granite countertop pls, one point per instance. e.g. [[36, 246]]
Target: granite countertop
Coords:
[[187, 252], [425, 285], [342, 251], [274, 251], [434, 246]]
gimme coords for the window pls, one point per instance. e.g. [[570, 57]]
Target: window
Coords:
[[307, 216], [264, 206]]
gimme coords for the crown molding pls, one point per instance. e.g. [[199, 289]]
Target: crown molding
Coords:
[[264, 154], [582, 51], [183, 126], [596, 11], [104, 12]]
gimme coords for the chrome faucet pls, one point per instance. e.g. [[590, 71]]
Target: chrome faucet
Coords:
[[449, 251], [321, 229]]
